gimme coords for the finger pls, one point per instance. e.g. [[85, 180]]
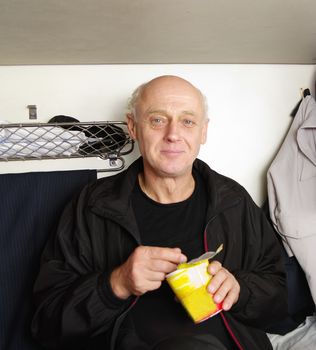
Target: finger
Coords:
[[154, 276], [227, 291], [231, 299], [214, 267], [147, 271], [217, 280], [222, 292], [145, 282], [173, 255], [162, 266], [149, 286]]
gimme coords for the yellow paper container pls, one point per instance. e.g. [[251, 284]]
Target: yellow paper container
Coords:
[[189, 285]]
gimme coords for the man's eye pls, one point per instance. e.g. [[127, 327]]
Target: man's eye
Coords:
[[188, 123], [157, 122]]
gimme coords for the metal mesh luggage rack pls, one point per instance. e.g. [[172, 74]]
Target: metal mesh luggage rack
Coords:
[[36, 141]]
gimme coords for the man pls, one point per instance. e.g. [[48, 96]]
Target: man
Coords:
[[102, 279]]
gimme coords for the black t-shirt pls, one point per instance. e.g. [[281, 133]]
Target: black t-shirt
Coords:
[[157, 314], [172, 225]]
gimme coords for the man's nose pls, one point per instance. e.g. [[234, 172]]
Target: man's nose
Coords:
[[173, 131]]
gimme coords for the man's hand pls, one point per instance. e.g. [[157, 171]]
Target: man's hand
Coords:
[[144, 270], [223, 285]]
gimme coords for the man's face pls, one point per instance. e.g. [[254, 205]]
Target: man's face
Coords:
[[169, 126]]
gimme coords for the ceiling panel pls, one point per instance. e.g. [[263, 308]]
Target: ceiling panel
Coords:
[[164, 31]]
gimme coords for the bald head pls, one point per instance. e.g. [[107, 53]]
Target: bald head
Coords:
[[166, 83]]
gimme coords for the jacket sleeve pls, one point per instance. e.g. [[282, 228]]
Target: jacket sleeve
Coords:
[[72, 296], [261, 275]]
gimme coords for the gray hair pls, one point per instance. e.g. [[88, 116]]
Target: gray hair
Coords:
[[131, 103]]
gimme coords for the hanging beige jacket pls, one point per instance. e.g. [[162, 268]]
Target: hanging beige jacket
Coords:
[[292, 190]]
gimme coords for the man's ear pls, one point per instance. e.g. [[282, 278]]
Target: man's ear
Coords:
[[131, 125]]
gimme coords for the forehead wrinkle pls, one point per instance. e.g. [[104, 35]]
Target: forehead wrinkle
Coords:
[[164, 112], [160, 111], [186, 112]]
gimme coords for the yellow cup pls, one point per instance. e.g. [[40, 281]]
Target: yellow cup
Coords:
[[189, 284]]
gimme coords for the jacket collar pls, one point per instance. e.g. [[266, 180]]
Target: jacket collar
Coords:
[[306, 132], [111, 197], [222, 191]]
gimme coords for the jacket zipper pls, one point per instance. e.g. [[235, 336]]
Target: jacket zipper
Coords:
[[119, 320], [118, 323], [230, 331]]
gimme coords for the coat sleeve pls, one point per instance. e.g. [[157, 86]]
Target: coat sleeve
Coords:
[[261, 274], [72, 297], [254, 257]]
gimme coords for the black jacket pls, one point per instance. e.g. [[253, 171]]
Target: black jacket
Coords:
[[74, 304]]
